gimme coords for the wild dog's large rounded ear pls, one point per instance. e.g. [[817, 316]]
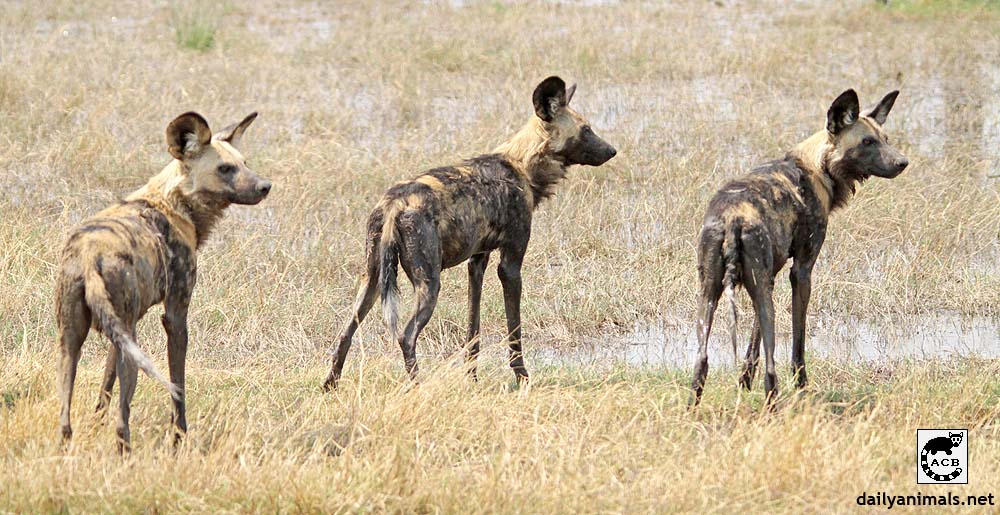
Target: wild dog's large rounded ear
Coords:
[[234, 133], [549, 97], [187, 135], [843, 112], [881, 110], [569, 93]]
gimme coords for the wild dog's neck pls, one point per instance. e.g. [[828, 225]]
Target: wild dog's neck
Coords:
[[204, 214], [193, 214], [833, 182], [530, 153]]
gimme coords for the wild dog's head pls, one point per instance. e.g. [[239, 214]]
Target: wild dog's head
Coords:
[[860, 146], [571, 139], [213, 170]]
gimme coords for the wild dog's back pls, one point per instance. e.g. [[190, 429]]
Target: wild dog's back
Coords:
[[125, 245], [776, 197], [475, 205]]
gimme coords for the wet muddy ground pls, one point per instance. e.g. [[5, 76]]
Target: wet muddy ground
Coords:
[[882, 341]]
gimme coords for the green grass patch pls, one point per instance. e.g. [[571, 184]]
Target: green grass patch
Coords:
[[939, 7], [195, 27]]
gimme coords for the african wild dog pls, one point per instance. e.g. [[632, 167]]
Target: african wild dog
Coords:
[[780, 211], [140, 252], [456, 213]]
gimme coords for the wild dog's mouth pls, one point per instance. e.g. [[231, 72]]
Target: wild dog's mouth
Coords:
[[894, 171]]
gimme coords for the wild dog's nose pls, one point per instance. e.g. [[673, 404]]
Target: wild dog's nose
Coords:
[[902, 164], [614, 152], [264, 187]]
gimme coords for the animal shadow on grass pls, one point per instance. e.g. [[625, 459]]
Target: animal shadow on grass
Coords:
[[851, 392], [11, 398], [331, 439], [857, 392], [19, 394]]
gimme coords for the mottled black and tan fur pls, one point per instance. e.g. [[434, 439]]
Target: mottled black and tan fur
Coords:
[[777, 212], [141, 252], [464, 212]]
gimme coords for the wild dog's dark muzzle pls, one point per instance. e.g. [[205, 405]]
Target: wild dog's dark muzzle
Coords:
[[894, 165], [603, 154], [587, 149]]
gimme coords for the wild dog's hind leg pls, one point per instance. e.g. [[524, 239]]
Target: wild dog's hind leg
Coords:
[[509, 272], [752, 357], [758, 280], [108, 381], [73, 318], [175, 324], [366, 296], [477, 267], [420, 257], [128, 373], [801, 278], [711, 270], [426, 293]]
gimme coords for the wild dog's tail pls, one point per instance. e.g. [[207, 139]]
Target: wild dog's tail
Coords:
[[388, 266], [730, 278], [99, 302]]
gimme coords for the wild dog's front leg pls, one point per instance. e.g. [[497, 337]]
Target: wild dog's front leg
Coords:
[[510, 278], [477, 267], [801, 279], [175, 324]]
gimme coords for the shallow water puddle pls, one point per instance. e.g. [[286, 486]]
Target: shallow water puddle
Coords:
[[991, 122], [673, 344]]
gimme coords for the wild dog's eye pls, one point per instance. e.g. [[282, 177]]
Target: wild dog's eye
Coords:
[[869, 141], [226, 169]]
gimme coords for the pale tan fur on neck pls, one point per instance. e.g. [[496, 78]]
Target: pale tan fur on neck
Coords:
[[530, 151], [814, 153], [165, 192]]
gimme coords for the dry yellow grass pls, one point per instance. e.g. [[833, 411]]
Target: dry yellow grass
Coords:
[[266, 440], [355, 96]]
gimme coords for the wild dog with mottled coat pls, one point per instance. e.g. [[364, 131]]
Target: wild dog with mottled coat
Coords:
[[779, 211], [456, 213], [141, 252]]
